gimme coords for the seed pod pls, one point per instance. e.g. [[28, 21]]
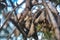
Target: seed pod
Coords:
[[31, 31]]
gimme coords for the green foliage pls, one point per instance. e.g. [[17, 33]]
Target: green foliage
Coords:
[[48, 35], [38, 27]]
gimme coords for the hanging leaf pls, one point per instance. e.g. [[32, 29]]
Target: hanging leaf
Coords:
[[31, 31], [27, 24]]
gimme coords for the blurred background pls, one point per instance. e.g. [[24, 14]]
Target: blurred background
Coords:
[[8, 32]]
